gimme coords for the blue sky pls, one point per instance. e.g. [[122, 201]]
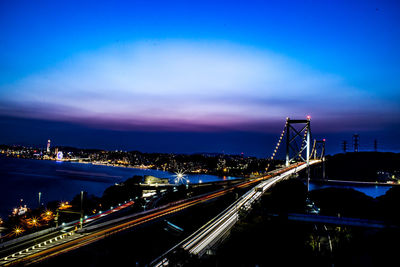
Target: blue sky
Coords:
[[201, 67]]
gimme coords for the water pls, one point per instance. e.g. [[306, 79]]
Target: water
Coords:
[[61, 181], [369, 190]]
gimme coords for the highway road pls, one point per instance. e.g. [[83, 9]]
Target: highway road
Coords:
[[73, 239], [209, 234]]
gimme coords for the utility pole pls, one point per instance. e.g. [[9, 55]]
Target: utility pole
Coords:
[[56, 217], [356, 142], [344, 146]]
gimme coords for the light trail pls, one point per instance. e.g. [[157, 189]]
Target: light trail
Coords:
[[222, 224], [87, 238], [211, 232]]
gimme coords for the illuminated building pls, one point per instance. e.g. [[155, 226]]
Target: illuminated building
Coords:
[[59, 155], [48, 146]]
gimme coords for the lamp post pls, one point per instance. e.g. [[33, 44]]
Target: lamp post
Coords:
[[81, 219], [40, 195]]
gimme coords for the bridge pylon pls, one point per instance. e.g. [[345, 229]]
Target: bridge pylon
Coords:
[[298, 140], [318, 152], [299, 131]]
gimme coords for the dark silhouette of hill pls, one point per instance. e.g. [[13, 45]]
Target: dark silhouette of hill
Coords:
[[362, 166]]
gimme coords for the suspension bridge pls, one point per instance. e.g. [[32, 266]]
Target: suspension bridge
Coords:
[[300, 154]]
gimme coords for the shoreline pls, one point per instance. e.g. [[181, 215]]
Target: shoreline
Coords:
[[351, 182], [138, 167]]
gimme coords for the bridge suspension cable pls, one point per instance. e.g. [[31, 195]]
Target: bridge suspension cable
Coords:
[[277, 146], [304, 142]]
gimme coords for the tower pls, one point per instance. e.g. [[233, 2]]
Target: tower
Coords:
[[298, 140], [344, 146], [48, 146], [356, 142], [318, 152]]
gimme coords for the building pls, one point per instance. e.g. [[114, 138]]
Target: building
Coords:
[[48, 146], [148, 179]]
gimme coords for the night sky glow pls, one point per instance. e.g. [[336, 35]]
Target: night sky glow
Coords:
[[198, 71]]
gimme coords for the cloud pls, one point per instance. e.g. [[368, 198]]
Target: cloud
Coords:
[[178, 85]]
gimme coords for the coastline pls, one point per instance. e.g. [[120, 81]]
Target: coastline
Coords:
[[138, 167]]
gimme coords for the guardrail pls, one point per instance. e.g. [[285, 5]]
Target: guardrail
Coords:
[[21, 239]]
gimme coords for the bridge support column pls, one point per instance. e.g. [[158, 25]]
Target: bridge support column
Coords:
[[287, 142], [308, 153]]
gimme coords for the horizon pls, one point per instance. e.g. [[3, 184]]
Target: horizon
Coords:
[[209, 76]]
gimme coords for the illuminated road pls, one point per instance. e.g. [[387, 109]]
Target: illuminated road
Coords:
[[89, 234], [209, 234], [75, 239]]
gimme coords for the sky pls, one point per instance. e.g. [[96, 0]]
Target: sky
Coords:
[[198, 76]]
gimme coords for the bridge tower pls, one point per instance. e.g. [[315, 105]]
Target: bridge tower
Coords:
[[298, 135], [298, 131], [318, 152]]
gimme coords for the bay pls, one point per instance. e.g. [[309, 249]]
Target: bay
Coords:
[[21, 180], [370, 190]]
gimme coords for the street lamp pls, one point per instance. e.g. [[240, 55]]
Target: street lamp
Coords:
[[81, 219]]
